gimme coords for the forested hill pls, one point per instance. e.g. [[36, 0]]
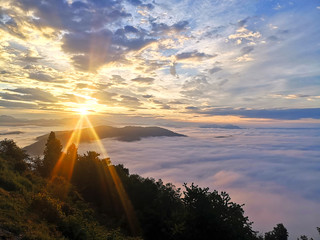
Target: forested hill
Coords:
[[128, 133], [72, 196]]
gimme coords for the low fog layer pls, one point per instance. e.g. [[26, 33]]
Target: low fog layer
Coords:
[[275, 172]]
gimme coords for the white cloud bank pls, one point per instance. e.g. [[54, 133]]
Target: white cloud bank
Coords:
[[275, 172]]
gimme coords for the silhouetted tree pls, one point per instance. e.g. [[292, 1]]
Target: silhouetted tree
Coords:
[[278, 233], [69, 159], [10, 151], [95, 183], [210, 215], [52, 152], [304, 237]]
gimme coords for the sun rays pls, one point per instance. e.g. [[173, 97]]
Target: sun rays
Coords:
[[65, 166]]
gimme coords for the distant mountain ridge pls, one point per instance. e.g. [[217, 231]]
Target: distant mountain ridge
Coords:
[[127, 134], [226, 126]]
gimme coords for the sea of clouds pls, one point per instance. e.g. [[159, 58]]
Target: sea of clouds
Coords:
[[275, 172]]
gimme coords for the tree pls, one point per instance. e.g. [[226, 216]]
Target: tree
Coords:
[[68, 162], [304, 237], [210, 215], [278, 233], [9, 150], [52, 153]]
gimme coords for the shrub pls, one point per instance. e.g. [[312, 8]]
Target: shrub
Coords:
[[48, 208]]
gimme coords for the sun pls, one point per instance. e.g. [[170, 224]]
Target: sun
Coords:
[[82, 111]]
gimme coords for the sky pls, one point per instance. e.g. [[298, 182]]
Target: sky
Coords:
[[200, 61], [171, 63]]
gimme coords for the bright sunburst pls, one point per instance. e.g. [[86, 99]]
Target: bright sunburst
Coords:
[[83, 111]]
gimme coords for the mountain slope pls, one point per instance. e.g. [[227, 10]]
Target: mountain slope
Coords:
[[128, 134]]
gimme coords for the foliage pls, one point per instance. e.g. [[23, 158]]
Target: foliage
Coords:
[[52, 153], [35, 208], [304, 237], [10, 151], [278, 233], [212, 214]]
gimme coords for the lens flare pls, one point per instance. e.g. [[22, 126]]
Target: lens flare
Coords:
[[66, 169]]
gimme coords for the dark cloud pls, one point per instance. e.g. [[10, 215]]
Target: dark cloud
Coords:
[[9, 24], [29, 66], [143, 80], [192, 108], [162, 28], [147, 96], [194, 55], [133, 43], [72, 98], [284, 114], [75, 17], [82, 85], [223, 82], [214, 70], [175, 102], [243, 22], [161, 104], [173, 70], [165, 106], [247, 49], [9, 104], [128, 101], [273, 38], [29, 94], [196, 88], [30, 57], [93, 49], [85, 43], [106, 97], [40, 77], [84, 25]]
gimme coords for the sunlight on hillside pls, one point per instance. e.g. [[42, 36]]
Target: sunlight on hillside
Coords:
[[66, 167]]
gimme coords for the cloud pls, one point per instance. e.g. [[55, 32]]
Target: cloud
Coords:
[[9, 24], [29, 94], [106, 97], [161, 104], [41, 77], [244, 35], [214, 70], [163, 28], [275, 175], [91, 50], [143, 80], [133, 48], [74, 17], [194, 55], [173, 71], [128, 101], [139, 3], [283, 114], [147, 96], [11, 104], [247, 50]]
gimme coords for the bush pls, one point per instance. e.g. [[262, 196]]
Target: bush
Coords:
[[46, 207], [72, 227]]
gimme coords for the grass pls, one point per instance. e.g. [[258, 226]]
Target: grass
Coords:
[[33, 208]]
